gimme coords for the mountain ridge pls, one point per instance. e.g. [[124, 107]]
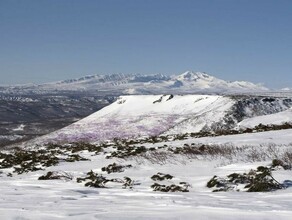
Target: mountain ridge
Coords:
[[151, 115], [186, 82]]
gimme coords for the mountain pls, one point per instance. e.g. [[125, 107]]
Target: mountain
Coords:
[[142, 115], [286, 89], [150, 115], [185, 83], [202, 81]]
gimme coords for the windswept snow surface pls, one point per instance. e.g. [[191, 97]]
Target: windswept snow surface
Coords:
[[133, 116], [272, 119], [25, 197]]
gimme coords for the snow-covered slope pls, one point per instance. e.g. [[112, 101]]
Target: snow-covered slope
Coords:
[[25, 197], [152, 115], [133, 116], [272, 119]]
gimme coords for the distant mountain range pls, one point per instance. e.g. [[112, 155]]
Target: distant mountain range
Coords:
[[187, 82]]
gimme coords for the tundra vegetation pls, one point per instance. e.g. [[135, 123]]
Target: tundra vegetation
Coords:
[[122, 153]]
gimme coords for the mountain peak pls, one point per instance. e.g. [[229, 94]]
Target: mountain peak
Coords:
[[193, 76]]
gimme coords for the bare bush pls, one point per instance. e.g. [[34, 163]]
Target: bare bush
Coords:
[[253, 154], [60, 175], [159, 157], [226, 153], [287, 157]]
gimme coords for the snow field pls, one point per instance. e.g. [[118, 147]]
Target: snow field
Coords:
[[25, 197]]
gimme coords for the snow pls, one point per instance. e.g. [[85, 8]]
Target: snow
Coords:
[[277, 137], [25, 197], [189, 82], [10, 137], [134, 116], [19, 128], [287, 89], [281, 137], [272, 119]]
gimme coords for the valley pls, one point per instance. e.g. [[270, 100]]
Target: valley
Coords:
[[25, 116]]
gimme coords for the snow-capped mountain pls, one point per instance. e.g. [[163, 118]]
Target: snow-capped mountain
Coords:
[[203, 81], [286, 89], [151, 115], [132, 116], [187, 82]]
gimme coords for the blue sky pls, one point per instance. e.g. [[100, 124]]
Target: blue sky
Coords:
[[50, 40]]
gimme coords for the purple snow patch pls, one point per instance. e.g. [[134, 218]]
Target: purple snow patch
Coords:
[[127, 127]]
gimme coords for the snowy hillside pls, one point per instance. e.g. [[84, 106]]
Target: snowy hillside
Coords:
[[272, 119], [166, 177], [134, 116], [131, 192], [152, 115]]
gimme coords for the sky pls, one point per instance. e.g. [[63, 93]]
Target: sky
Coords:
[[51, 40]]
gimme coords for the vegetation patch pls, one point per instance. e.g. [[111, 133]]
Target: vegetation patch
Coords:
[[129, 183], [25, 160], [56, 175], [202, 150], [181, 187], [161, 177], [127, 151], [29, 160], [115, 168], [94, 180], [99, 181], [76, 147], [259, 180], [285, 164], [82, 146], [75, 157]]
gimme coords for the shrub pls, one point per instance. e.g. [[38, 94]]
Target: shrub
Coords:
[[129, 183], [114, 168], [280, 163], [55, 175], [93, 180], [263, 181], [75, 157], [161, 177], [182, 187], [82, 146], [287, 158], [259, 180], [98, 181], [127, 151], [26, 160]]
